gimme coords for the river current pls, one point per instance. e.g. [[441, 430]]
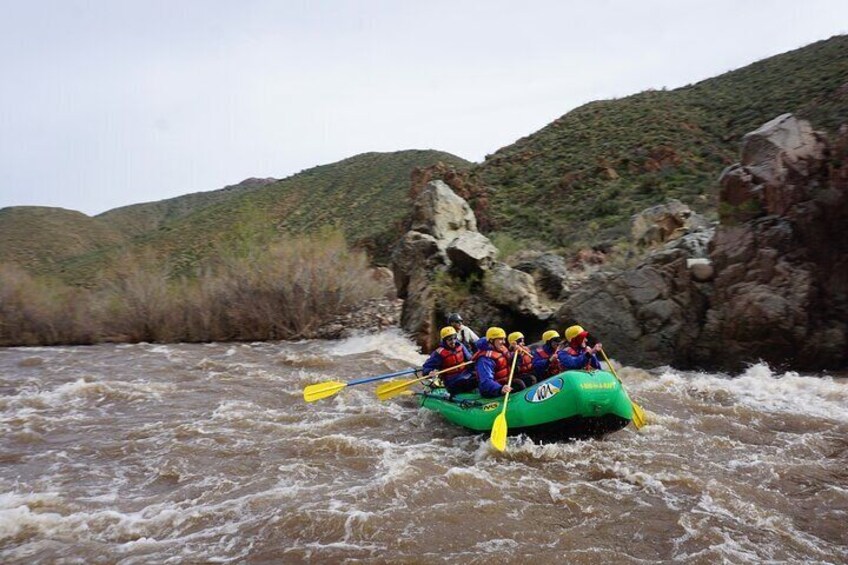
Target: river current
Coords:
[[207, 453]]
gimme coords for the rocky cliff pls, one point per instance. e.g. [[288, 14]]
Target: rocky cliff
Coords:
[[769, 283], [774, 283]]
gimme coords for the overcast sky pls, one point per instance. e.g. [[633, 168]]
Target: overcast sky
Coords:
[[107, 103]]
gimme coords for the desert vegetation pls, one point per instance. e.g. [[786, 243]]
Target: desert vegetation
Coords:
[[281, 291]]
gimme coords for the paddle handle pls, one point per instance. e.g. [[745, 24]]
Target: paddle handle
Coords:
[[509, 383], [604, 353], [381, 377], [410, 383]]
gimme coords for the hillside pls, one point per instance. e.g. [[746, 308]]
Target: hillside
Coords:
[[365, 196], [40, 238], [139, 219], [578, 180]]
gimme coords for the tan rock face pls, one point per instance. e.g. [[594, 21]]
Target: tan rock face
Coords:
[[444, 239], [439, 212], [769, 177], [662, 223]]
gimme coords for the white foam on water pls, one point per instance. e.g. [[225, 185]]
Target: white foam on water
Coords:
[[83, 390], [760, 388], [496, 545], [393, 343], [731, 516]]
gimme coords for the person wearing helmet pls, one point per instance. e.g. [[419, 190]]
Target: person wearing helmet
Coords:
[[578, 354], [451, 353], [465, 335], [492, 362], [524, 364], [546, 359]]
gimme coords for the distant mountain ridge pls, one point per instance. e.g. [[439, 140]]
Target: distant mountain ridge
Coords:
[[364, 196]]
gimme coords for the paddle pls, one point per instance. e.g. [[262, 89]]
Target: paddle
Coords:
[[498, 436], [322, 390], [389, 390], [639, 419]]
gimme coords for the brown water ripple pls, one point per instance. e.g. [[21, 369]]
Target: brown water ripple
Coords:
[[198, 453]]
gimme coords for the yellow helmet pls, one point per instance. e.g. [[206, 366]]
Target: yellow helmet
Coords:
[[494, 333], [514, 336], [549, 335], [447, 331], [573, 332]]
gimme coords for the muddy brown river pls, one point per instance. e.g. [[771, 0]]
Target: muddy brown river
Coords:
[[207, 453]]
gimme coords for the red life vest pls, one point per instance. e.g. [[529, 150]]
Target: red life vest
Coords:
[[501, 372], [553, 366], [451, 358], [524, 365], [574, 353]]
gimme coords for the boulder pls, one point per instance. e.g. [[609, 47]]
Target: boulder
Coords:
[[416, 255], [439, 212], [771, 177], [471, 252], [780, 288], [664, 222], [783, 144], [416, 260], [548, 270], [514, 290]]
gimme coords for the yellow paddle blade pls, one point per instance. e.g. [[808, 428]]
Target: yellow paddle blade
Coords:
[[499, 430], [394, 388], [322, 390], [639, 418]]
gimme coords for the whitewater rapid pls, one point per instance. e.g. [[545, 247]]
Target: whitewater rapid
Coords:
[[207, 453]]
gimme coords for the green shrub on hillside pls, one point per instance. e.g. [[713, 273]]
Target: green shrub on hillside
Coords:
[[590, 170]]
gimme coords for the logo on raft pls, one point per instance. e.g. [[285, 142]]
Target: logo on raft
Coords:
[[544, 391], [490, 406]]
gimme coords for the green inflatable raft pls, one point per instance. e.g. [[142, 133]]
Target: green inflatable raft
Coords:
[[571, 405]]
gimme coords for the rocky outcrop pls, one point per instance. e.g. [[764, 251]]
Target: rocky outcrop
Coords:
[[781, 255], [444, 242], [647, 316], [772, 284]]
